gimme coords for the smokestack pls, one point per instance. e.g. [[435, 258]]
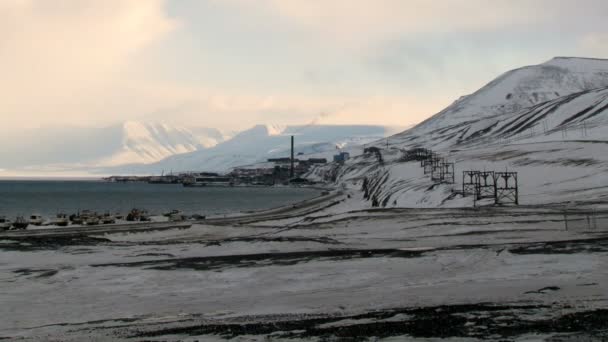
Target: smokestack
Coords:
[[291, 172]]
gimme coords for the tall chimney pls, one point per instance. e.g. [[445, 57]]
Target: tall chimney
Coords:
[[291, 172]]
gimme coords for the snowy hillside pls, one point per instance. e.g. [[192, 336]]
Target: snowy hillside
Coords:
[[522, 88], [129, 142], [558, 147], [265, 141]]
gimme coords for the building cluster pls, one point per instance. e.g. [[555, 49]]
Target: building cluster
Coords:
[[341, 157], [279, 172], [283, 170]]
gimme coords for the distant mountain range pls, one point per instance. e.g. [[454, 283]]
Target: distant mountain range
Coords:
[[136, 147], [129, 142], [260, 142]]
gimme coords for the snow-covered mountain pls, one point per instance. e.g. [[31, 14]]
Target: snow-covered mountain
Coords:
[[260, 142], [548, 123], [128, 142], [151, 142], [524, 87], [510, 95]]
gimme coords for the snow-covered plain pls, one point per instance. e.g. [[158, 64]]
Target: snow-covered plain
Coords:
[[513, 266]]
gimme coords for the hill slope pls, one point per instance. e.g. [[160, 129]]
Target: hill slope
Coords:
[[522, 88], [558, 147]]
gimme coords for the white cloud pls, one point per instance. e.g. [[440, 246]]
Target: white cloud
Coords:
[[97, 61], [596, 44], [359, 21], [53, 53]]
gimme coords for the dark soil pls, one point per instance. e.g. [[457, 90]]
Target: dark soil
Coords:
[[263, 259], [29, 243], [597, 245], [485, 321]]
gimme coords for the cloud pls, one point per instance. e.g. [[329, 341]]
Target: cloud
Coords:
[[240, 62], [218, 107], [357, 21], [53, 53], [88, 62], [595, 43]]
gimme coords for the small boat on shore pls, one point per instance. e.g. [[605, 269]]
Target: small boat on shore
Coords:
[[177, 217], [144, 216], [172, 212], [107, 218], [61, 220], [210, 179], [36, 220], [5, 224], [76, 218], [138, 215], [92, 220], [20, 223], [87, 213]]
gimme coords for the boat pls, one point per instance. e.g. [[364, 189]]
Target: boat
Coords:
[[144, 216], [108, 219], [20, 223], [92, 220], [36, 220], [76, 219], [172, 212], [119, 216], [177, 217], [208, 180], [133, 215], [61, 220], [5, 223], [138, 215], [87, 213]]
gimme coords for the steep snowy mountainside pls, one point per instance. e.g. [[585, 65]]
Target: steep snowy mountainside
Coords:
[[558, 148], [545, 121], [260, 142], [524, 87]]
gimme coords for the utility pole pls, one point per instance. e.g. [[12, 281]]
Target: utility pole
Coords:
[[291, 171]]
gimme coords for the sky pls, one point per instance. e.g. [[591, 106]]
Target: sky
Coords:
[[232, 64]]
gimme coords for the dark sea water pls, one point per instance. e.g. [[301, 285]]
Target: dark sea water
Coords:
[[49, 197]]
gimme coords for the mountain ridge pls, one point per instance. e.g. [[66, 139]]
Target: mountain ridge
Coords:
[[258, 143], [523, 87], [557, 147]]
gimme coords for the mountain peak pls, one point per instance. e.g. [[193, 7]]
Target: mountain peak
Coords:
[[579, 64], [525, 87]]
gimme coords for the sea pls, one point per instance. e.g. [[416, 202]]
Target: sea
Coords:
[[47, 198]]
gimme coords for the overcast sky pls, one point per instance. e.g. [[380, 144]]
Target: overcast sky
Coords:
[[235, 63]]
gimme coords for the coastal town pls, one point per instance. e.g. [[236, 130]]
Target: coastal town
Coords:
[[275, 171]]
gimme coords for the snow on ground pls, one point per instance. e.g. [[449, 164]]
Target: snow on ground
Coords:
[[338, 266]]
